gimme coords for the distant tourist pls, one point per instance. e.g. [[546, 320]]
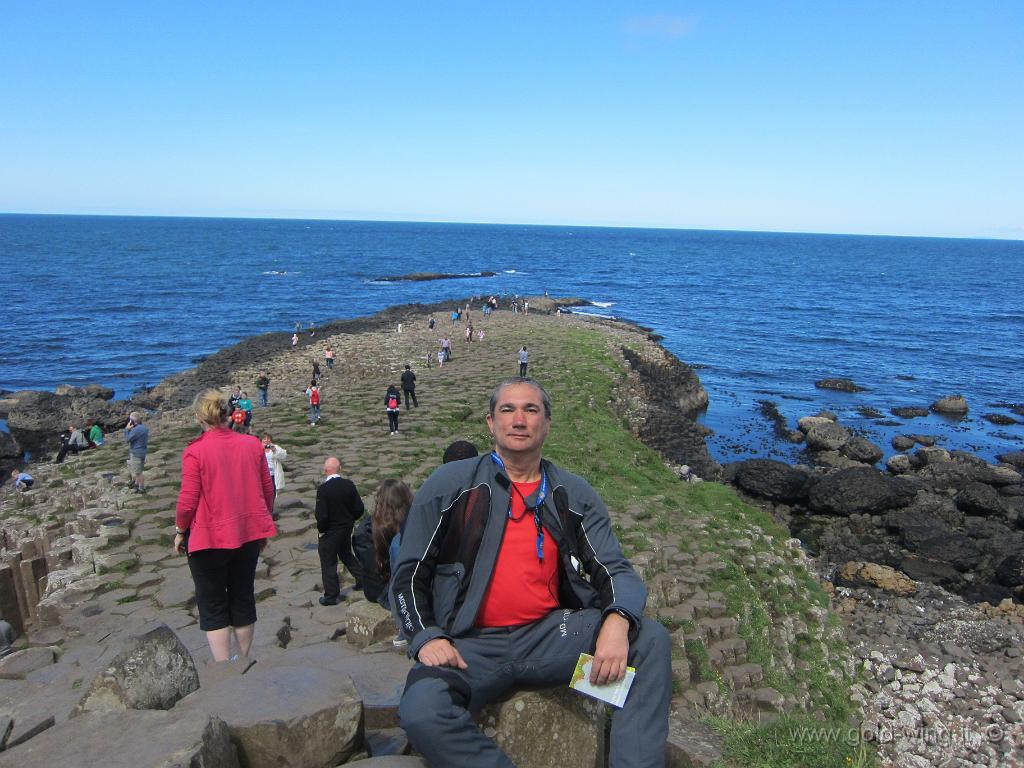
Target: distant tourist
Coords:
[[246, 405], [312, 328], [71, 441], [313, 394], [276, 456], [480, 335], [429, 358], [234, 399], [338, 506], [237, 419], [446, 345], [526, 307], [440, 358], [399, 328], [95, 434], [22, 480], [263, 387], [487, 311], [223, 521], [524, 360], [455, 316], [392, 400], [136, 434], [469, 333], [316, 371], [295, 340], [329, 357], [430, 323], [409, 386]]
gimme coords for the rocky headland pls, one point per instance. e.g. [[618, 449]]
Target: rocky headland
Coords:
[[863, 629]]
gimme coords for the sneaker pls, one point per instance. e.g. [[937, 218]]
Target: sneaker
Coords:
[[399, 642], [330, 600]]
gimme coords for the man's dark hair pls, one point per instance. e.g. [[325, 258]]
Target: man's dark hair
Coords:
[[460, 449], [408, 367], [520, 380]]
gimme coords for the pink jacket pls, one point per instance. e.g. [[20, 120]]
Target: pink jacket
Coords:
[[226, 492]]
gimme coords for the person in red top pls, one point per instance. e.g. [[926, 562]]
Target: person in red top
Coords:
[[223, 520]]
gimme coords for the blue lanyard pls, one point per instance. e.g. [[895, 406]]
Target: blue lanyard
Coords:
[[542, 493]]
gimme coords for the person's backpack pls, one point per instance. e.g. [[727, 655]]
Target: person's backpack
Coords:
[[374, 585], [314, 397], [392, 401]]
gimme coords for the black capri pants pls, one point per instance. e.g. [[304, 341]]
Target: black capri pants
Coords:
[[224, 580]]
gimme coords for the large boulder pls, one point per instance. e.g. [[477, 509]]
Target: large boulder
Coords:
[[153, 671], [862, 450], [557, 726], [931, 539], [857, 574], [908, 412], [859, 489], [136, 739], [827, 437], [979, 499], [769, 479], [952, 405], [9, 448], [285, 716], [89, 390], [1016, 458]]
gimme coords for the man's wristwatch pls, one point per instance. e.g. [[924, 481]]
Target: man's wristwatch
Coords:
[[178, 531], [623, 614]]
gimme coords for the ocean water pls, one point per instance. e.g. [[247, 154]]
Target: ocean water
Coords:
[[127, 301]]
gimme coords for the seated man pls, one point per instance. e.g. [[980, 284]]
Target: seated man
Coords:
[[507, 571]]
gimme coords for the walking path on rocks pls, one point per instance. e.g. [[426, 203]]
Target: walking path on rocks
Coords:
[[752, 636]]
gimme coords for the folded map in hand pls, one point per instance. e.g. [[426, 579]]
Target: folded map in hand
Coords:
[[613, 693]]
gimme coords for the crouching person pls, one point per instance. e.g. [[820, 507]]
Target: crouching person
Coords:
[[487, 591]]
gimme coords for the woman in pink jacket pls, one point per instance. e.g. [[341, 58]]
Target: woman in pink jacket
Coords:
[[223, 521]]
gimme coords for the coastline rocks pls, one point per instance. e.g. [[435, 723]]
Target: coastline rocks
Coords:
[[1010, 571], [858, 489], [1015, 458], [911, 412], [862, 450], [979, 499], [9, 448], [36, 419], [89, 390], [859, 574], [827, 437], [839, 385], [769, 479], [953, 405], [420, 277]]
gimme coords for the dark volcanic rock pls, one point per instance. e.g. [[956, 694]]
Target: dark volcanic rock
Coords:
[[9, 448], [841, 385], [1010, 572], [828, 436], [768, 479], [979, 499], [955, 405], [859, 489], [38, 418], [932, 539], [89, 390], [902, 443], [908, 413], [862, 450], [419, 277], [1000, 418], [673, 395], [1016, 458]]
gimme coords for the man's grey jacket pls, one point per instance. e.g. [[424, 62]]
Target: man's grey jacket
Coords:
[[453, 534]]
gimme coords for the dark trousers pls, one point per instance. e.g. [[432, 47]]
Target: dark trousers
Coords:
[[224, 580], [65, 449], [333, 546], [522, 369], [438, 704], [393, 421], [410, 393]]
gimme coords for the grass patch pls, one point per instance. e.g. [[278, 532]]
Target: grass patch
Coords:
[[796, 740]]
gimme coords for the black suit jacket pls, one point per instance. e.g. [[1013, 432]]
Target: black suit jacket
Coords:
[[338, 504]]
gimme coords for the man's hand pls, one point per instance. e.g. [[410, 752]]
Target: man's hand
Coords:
[[611, 652], [439, 652]]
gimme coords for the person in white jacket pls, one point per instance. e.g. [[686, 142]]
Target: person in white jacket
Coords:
[[276, 456]]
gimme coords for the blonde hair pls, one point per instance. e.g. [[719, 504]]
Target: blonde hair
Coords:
[[211, 408]]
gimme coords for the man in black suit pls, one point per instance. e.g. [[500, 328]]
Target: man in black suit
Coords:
[[338, 506]]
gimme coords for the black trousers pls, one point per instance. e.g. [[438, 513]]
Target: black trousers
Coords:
[[333, 546], [410, 393], [393, 421], [224, 580], [65, 449], [522, 369]]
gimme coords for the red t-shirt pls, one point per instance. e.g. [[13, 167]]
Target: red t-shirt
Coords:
[[523, 588]]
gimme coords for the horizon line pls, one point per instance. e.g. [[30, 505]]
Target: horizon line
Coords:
[[505, 224]]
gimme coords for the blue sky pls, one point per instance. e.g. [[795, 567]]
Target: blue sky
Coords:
[[888, 118]]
